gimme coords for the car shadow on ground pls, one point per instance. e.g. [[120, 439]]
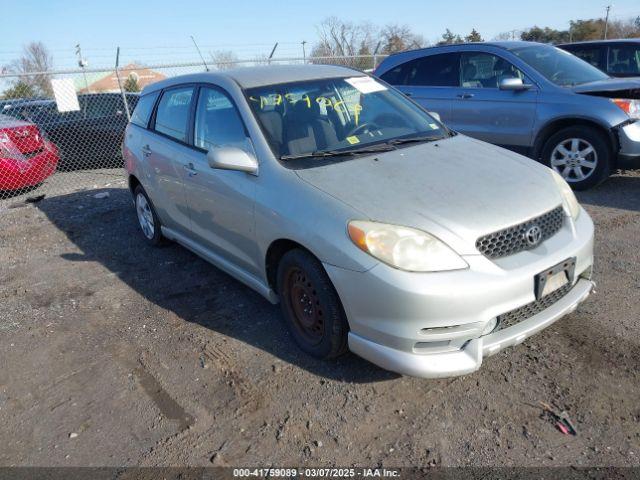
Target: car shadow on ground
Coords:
[[619, 191], [105, 230]]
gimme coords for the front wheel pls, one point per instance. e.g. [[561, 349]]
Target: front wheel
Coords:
[[310, 305], [582, 156]]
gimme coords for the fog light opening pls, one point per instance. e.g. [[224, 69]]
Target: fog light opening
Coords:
[[490, 326]]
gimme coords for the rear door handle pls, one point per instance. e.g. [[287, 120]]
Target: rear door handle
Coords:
[[464, 96], [146, 150], [408, 94], [191, 171]]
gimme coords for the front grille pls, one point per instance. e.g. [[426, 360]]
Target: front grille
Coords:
[[517, 315], [513, 239]]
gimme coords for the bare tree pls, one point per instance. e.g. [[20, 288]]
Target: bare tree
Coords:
[[628, 28], [396, 38], [224, 59], [262, 59], [339, 38], [35, 58]]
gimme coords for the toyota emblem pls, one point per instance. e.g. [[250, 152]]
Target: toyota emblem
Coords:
[[533, 235]]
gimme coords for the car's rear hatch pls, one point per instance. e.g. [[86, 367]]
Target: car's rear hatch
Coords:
[[18, 138]]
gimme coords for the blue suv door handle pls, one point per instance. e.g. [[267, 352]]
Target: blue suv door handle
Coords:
[[191, 171], [465, 95]]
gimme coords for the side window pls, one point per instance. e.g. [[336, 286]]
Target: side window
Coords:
[[397, 75], [592, 55], [624, 59], [173, 112], [485, 70], [218, 123], [101, 106], [435, 70], [142, 112]]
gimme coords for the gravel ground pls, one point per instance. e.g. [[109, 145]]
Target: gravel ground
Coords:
[[114, 353]]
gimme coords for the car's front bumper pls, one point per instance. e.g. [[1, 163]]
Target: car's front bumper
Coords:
[[437, 324], [629, 141]]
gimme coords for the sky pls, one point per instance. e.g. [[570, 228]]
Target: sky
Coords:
[[159, 32]]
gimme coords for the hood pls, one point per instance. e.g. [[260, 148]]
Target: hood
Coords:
[[622, 85], [456, 189]]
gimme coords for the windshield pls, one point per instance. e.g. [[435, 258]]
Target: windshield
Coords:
[[558, 66], [338, 115]]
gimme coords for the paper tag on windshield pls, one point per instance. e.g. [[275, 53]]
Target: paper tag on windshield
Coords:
[[365, 84]]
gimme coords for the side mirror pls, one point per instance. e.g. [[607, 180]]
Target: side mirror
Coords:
[[232, 158], [513, 84], [435, 115]]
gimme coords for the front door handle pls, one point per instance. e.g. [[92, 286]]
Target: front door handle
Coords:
[[146, 150], [465, 96], [191, 171]]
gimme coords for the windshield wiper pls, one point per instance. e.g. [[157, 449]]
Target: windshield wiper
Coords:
[[400, 141], [385, 147]]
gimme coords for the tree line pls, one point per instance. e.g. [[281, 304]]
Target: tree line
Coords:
[[335, 38]]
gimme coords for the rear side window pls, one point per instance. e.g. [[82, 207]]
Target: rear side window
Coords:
[[397, 75], [173, 113], [103, 106], [142, 111], [625, 59], [441, 70]]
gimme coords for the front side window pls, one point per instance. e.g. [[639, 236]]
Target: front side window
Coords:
[[336, 116], [173, 113], [485, 70], [624, 60], [559, 66], [142, 111], [218, 122]]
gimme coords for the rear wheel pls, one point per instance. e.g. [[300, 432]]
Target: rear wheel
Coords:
[[147, 217], [582, 156], [310, 305]]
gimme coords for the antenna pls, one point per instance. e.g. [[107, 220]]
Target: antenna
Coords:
[[206, 67]]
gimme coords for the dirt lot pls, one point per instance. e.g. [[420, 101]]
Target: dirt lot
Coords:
[[114, 353]]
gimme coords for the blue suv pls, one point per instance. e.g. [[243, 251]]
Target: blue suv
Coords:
[[531, 98]]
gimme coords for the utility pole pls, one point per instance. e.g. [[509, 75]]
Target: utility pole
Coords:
[[304, 53], [82, 63], [606, 22]]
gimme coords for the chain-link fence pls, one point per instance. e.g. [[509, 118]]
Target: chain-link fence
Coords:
[[68, 137]]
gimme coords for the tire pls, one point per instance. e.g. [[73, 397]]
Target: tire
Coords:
[[310, 305], [594, 167], [148, 220]]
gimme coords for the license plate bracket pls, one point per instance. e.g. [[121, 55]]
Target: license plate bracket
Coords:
[[555, 277]]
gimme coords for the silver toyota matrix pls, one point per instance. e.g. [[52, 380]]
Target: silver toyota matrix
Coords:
[[378, 229]]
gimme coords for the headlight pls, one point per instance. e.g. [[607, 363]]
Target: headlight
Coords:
[[404, 248], [630, 107], [570, 202]]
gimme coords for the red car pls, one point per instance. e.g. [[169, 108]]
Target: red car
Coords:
[[26, 158]]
